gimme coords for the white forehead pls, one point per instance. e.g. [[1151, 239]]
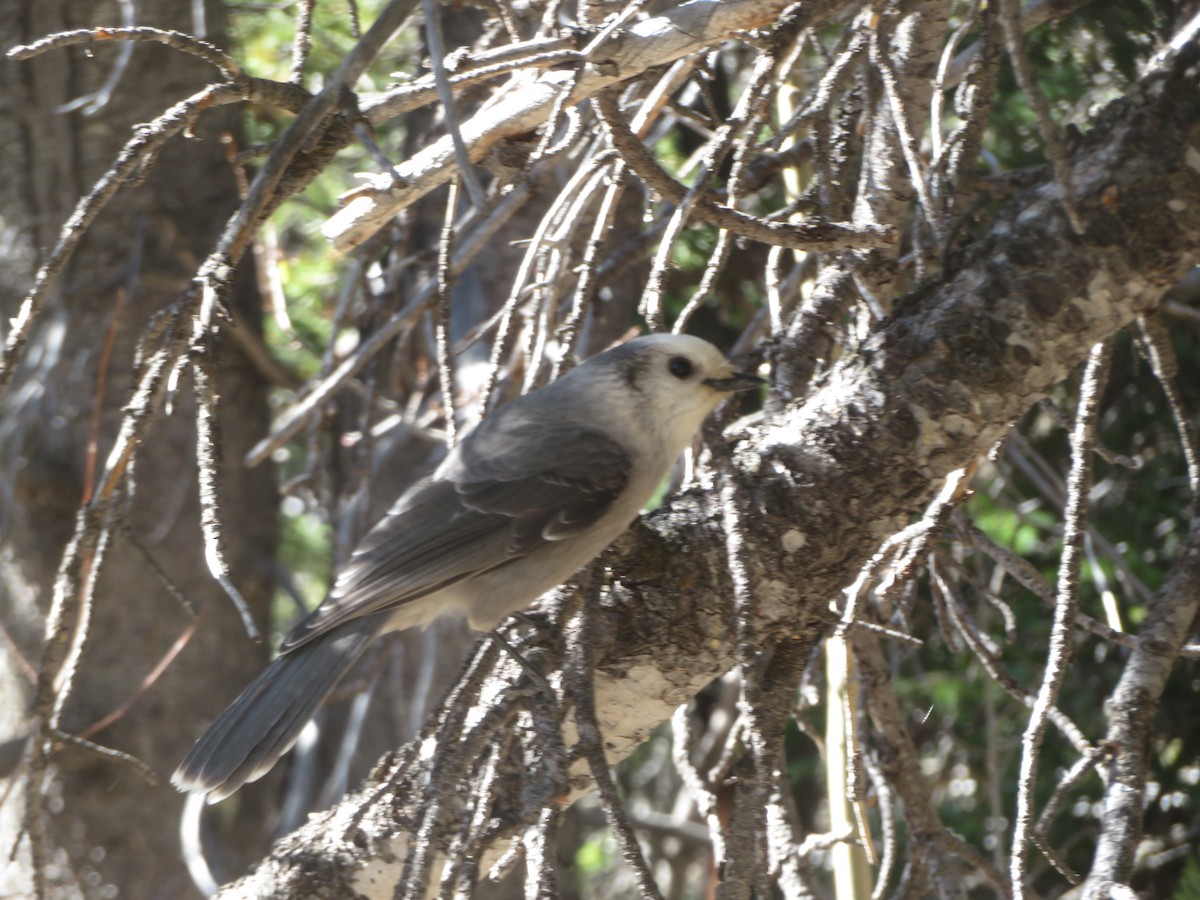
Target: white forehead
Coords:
[[694, 348]]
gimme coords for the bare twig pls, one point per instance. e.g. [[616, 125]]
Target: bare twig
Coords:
[[208, 444], [110, 754], [810, 235], [887, 825], [592, 747], [437, 53], [1075, 519], [442, 332], [1010, 22], [1133, 709], [1067, 783], [745, 850], [1157, 348], [303, 40], [912, 540], [227, 65], [683, 739]]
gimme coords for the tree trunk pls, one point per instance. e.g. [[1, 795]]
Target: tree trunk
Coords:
[[107, 824]]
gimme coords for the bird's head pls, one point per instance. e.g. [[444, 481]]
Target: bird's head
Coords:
[[675, 381]]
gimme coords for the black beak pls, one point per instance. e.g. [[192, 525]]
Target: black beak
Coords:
[[738, 381]]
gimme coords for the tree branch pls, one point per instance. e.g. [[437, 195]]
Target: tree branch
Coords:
[[527, 104]]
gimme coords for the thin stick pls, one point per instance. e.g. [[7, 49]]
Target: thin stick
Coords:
[[208, 455], [1010, 22], [1156, 346], [437, 54], [303, 40], [176, 39], [752, 705], [1075, 524], [445, 363], [593, 750], [809, 235]]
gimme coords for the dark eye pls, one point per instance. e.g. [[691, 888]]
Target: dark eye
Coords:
[[680, 367]]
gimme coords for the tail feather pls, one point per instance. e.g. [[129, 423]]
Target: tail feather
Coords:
[[264, 722]]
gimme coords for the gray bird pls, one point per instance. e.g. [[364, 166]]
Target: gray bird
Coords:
[[530, 495]]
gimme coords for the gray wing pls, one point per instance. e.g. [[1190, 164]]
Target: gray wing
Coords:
[[507, 490]]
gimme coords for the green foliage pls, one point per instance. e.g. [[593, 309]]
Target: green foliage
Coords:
[[1019, 530], [304, 553], [1082, 62], [264, 36], [595, 855], [1189, 883]]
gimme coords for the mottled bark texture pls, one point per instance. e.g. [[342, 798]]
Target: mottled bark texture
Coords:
[[107, 825], [827, 479]]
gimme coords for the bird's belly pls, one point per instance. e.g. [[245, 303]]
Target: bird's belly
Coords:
[[495, 595], [490, 597]]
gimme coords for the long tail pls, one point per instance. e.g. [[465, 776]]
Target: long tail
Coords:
[[263, 723]]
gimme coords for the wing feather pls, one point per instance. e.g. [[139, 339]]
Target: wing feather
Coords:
[[508, 489]]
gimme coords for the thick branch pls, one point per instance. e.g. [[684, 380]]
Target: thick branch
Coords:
[[528, 104]]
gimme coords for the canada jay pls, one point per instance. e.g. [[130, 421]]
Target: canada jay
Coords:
[[524, 500]]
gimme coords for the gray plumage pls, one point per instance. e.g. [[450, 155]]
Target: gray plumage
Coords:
[[525, 499]]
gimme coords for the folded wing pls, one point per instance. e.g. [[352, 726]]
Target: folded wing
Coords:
[[506, 490]]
